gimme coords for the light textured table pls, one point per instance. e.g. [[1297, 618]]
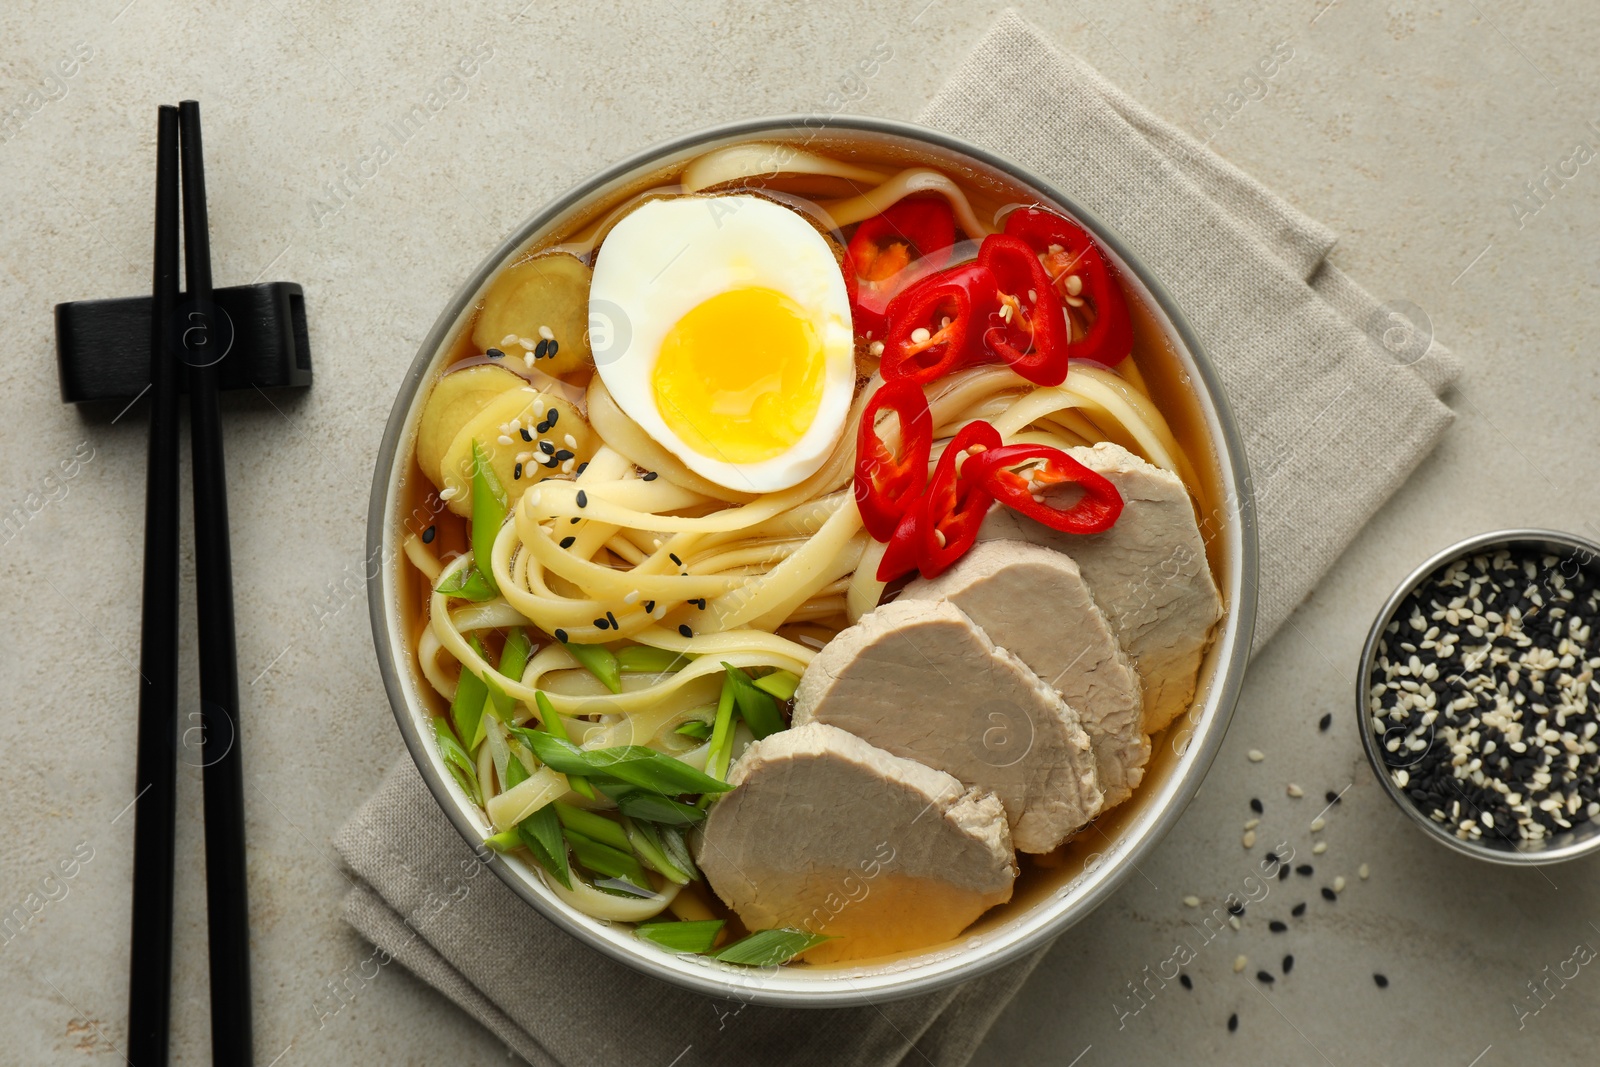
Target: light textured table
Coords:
[[1410, 128]]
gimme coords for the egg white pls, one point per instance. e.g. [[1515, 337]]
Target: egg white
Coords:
[[669, 256]]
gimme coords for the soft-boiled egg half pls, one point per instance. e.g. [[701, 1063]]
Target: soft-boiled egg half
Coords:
[[734, 350]]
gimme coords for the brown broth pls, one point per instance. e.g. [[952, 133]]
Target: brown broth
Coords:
[[1167, 384]]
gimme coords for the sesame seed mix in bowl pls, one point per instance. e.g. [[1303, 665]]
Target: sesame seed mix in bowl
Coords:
[[1483, 700]]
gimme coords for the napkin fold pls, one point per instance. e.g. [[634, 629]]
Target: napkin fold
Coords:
[[1336, 395]]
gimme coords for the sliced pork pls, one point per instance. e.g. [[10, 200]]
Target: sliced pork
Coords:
[[828, 834], [921, 680], [1033, 602], [1148, 573]]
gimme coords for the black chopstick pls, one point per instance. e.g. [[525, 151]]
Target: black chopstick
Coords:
[[227, 900], [150, 969]]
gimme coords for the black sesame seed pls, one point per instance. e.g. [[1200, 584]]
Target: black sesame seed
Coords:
[[582, 467], [1236, 908], [563, 455], [649, 606], [555, 346], [552, 416], [561, 635], [699, 602], [583, 499], [1283, 872], [1288, 964], [547, 448], [649, 476], [574, 520], [683, 628], [1265, 976], [1327, 721], [550, 464], [1328, 894], [612, 619], [602, 623], [1331, 797], [673, 556], [1304, 870], [1383, 983], [566, 542], [1272, 857], [1298, 910], [543, 427], [1277, 926], [1185, 981], [526, 435], [428, 535], [495, 353], [541, 349], [1255, 805], [1233, 1022], [516, 472]]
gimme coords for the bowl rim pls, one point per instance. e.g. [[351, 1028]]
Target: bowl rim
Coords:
[[1210, 712], [1508, 857]]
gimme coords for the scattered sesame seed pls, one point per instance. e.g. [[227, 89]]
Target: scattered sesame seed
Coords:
[[503, 439], [1318, 823], [1249, 839], [526, 436], [1233, 921], [1277, 926], [1338, 884], [699, 602], [1332, 798], [546, 333], [566, 542], [1239, 964], [508, 340], [1327, 721], [448, 493], [1295, 791], [673, 556], [541, 349], [1185, 981], [581, 467], [1319, 848], [613, 620], [1265, 977], [1255, 805], [552, 416], [583, 499], [1233, 1022], [1283, 872], [1328, 894], [1191, 901], [1288, 964], [1256, 755], [566, 468], [571, 441], [649, 476], [516, 472], [1304, 870], [527, 345], [649, 605], [527, 360], [683, 629], [1298, 910], [561, 635], [563, 455], [428, 535], [495, 353], [631, 598], [547, 448], [1235, 906], [1363, 871], [602, 623], [1383, 983], [555, 346], [1252, 824]]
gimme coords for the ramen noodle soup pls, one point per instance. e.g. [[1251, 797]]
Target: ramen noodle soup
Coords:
[[802, 552]]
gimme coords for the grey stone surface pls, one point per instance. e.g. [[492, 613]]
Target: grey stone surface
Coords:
[[1410, 128]]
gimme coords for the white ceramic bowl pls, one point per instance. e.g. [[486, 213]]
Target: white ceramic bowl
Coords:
[[1094, 865]]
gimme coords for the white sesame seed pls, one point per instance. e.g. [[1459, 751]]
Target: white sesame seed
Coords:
[[1318, 823], [503, 439], [508, 339], [1319, 848], [1233, 921], [1338, 884], [527, 344], [547, 333], [448, 493], [1363, 871], [1252, 824], [1295, 791], [527, 360], [631, 598], [1249, 839], [572, 442], [567, 465], [1192, 901], [1256, 755], [1239, 964]]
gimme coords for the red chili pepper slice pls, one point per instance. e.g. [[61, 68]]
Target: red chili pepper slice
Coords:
[[888, 481], [900, 558], [1096, 511], [1030, 332], [955, 503], [877, 259], [1068, 252], [935, 325]]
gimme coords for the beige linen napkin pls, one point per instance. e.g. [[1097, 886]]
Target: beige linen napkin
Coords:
[[1333, 422]]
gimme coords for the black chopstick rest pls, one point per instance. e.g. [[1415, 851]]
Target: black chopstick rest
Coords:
[[103, 353]]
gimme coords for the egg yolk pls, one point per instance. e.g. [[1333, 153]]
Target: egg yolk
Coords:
[[739, 378]]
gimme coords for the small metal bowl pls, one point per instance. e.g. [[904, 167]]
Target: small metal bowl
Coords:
[[1584, 838]]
